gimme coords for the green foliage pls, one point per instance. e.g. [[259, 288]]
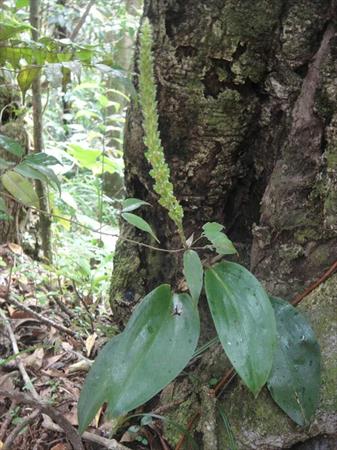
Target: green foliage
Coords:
[[228, 429], [11, 146], [20, 188], [35, 166], [221, 243], [156, 345], [87, 79], [139, 223], [93, 159], [244, 320], [295, 376], [9, 27], [162, 333], [193, 273], [26, 77], [54, 58], [130, 204]]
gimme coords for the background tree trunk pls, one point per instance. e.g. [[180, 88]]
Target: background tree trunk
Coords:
[[247, 103], [12, 126]]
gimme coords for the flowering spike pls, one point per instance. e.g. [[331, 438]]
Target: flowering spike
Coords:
[[155, 153]]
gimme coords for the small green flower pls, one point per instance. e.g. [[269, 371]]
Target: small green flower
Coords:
[[155, 153]]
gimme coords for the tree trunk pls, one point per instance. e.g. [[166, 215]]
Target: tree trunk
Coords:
[[247, 103], [41, 188], [13, 223]]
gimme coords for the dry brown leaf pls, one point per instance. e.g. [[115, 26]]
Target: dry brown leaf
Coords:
[[59, 446], [54, 373], [128, 437], [6, 381], [82, 365], [11, 311], [35, 360], [49, 362], [26, 321], [18, 314], [90, 342], [72, 416], [15, 248], [67, 347], [98, 416]]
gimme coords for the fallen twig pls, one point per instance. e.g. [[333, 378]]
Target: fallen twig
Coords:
[[9, 279], [60, 303], [313, 286], [224, 382], [28, 382], [110, 444], [43, 319], [8, 444], [44, 407], [7, 420], [182, 439]]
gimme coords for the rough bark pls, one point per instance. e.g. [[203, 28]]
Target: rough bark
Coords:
[[248, 117]]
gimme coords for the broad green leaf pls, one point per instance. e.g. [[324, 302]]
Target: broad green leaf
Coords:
[[14, 55], [20, 188], [4, 164], [193, 273], [130, 204], [9, 29], [26, 76], [28, 172], [38, 172], [3, 207], [11, 146], [140, 223], [93, 159], [52, 179], [36, 166], [43, 159], [244, 320], [87, 157], [21, 4], [155, 346], [294, 381], [221, 243]]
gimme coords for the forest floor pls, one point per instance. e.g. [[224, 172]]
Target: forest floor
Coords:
[[49, 336]]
